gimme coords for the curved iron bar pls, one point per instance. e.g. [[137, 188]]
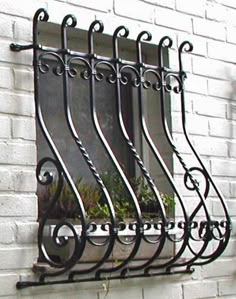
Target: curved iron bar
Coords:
[[159, 159], [166, 128], [112, 228], [161, 240], [188, 47], [45, 180], [167, 42], [139, 224], [209, 224], [42, 15]]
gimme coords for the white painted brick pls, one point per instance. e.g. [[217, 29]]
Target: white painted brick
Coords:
[[230, 16], [142, 11], [231, 34], [209, 107], [221, 89], [22, 30], [22, 10], [221, 267], [7, 233], [201, 289], [6, 78], [24, 181], [223, 186], [6, 26], [230, 249], [173, 19], [210, 146], [209, 29], [23, 128], [227, 287], [17, 104], [164, 3], [8, 284], [18, 206], [17, 153], [232, 149], [233, 233], [221, 14], [196, 84], [58, 10], [233, 189], [223, 168], [231, 111], [216, 12], [195, 124], [221, 51], [163, 291], [229, 3], [132, 293], [5, 125], [222, 128], [18, 258], [27, 232], [217, 208], [6, 183], [191, 7], [105, 5], [59, 293], [23, 79], [212, 68]]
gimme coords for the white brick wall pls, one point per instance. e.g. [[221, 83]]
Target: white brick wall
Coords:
[[210, 95]]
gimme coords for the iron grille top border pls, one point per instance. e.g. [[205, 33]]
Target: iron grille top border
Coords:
[[190, 231]]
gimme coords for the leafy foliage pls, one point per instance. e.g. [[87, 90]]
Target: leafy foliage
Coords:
[[66, 205]]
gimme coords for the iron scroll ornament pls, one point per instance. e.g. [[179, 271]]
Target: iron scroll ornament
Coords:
[[192, 236]]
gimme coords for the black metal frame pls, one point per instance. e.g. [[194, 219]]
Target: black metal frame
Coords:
[[191, 231]]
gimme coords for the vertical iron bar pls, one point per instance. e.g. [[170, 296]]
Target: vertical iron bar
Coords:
[[188, 47], [157, 155], [139, 229], [112, 227], [42, 15]]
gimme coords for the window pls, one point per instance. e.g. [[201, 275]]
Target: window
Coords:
[[52, 104], [51, 96]]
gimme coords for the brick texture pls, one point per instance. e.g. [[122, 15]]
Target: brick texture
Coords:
[[191, 7], [142, 12]]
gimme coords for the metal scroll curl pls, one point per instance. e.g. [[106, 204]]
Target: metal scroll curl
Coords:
[[112, 248]]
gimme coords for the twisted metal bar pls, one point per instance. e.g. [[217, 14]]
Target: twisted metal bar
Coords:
[[112, 228], [159, 159], [139, 225]]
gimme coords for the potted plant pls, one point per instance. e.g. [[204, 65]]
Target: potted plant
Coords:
[[94, 203], [66, 207]]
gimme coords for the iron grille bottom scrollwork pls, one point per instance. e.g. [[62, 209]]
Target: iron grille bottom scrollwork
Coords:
[[174, 246]]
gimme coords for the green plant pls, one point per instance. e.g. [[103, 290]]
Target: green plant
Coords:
[[95, 205]]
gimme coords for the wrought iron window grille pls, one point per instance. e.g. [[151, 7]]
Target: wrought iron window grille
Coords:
[[198, 237]]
